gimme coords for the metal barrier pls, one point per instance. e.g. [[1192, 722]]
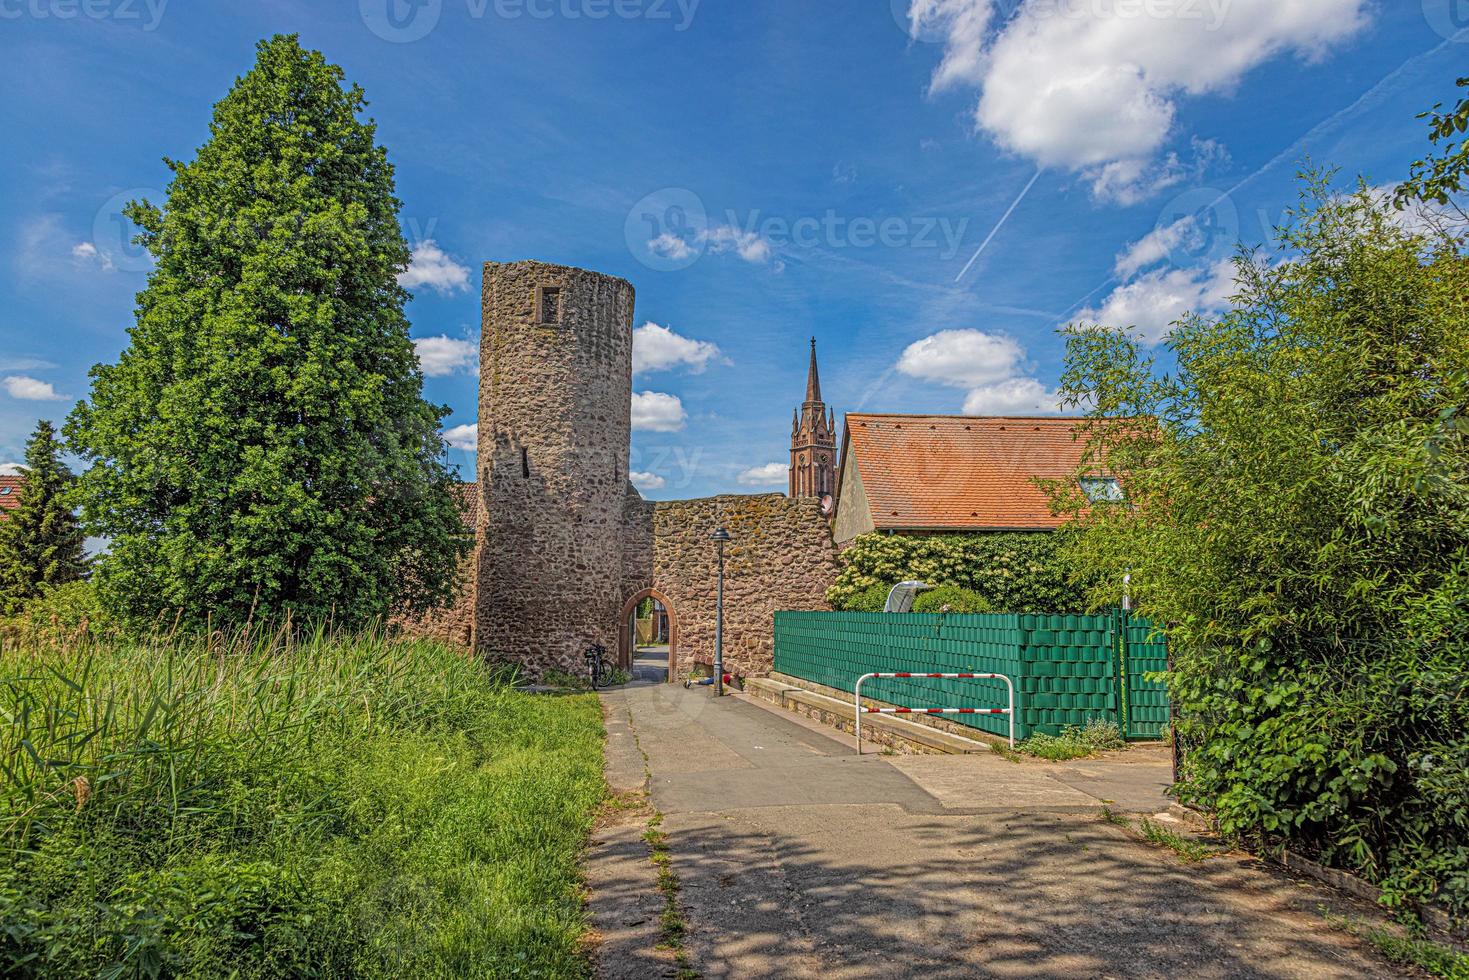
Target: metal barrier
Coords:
[[860, 711]]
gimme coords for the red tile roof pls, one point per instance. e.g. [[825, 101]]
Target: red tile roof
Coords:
[[932, 472], [10, 487]]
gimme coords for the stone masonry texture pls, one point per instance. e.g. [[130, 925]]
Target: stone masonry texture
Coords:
[[554, 430], [781, 557], [564, 541]]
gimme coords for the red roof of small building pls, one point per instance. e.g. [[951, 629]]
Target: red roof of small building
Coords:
[[10, 487], [942, 472]]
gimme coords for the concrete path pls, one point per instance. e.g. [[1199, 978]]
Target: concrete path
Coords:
[[799, 859]]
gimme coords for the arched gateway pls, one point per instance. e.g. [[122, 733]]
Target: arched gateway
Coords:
[[625, 640]]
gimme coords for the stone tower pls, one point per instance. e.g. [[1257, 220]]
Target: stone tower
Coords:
[[554, 431], [813, 441]]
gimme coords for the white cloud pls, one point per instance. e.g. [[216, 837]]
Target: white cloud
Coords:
[[962, 358], [670, 246], [748, 245], [434, 268], [1015, 396], [657, 348], [1153, 302], [12, 469], [1155, 246], [464, 437], [87, 252], [769, 475], [29, 389], [647, 481], [654, 411], [443, 356], [988, 365], [1094, 87]]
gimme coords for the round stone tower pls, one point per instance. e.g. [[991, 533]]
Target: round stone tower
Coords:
[[554, 429]]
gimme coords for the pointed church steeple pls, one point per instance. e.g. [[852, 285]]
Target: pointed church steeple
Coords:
[[813, 441], [813, 379]]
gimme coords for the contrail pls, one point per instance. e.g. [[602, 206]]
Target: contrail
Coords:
[[996, 230]]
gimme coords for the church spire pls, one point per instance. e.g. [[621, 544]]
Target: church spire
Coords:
[[813, 380], [813, 441]]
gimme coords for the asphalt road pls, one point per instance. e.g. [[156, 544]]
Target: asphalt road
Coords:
[[797, 858]]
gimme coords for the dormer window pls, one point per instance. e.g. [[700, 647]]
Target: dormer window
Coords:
[[548, 304], [1101, 489]]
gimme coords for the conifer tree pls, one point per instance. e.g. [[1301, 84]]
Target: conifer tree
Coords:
[[263, 444], [41, 540]]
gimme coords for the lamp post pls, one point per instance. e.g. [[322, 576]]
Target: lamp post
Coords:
[[719, 537]]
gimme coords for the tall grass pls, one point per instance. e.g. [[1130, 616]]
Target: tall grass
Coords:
[[280, 805]]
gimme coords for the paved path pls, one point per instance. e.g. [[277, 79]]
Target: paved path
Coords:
[[799, 859]]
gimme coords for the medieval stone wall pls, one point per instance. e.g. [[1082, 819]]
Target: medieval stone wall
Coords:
[[781, 558], [554, 431]]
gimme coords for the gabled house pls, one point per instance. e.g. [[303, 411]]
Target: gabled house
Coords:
[[947, 474]]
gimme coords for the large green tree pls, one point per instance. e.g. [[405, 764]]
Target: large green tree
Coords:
[[41, 540], [1297, 512], [263, 443]]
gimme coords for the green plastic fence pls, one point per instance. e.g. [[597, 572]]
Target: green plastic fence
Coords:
[[1146, 652], [1065, 667]]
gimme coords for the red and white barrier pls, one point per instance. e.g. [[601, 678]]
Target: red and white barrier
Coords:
[[860, 711]]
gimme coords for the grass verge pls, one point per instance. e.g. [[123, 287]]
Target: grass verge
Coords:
[[288, 806], [1434, 958]]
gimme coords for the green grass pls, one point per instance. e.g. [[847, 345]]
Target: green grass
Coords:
[[272, 806], [1431, 957], [1074, 742], [1188, 849]]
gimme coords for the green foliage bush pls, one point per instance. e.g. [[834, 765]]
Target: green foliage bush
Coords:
[[951, 598], [1299, 517], [1012, 572], [277, 807]]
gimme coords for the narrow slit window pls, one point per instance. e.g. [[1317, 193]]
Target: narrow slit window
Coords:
[[548, 303], [525, 463]]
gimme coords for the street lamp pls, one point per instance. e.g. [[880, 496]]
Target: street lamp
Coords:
[[719, 537]]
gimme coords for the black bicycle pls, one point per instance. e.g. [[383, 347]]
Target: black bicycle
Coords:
[[599, 668]]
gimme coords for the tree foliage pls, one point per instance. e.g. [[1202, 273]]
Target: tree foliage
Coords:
[[1012, 572], [41, 540], [1438, 179], [263, 442], [1298, 514]]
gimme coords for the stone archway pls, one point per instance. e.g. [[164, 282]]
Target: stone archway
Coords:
[[625, 649]]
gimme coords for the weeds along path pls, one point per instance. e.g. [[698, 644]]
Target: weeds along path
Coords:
[[289, 805]]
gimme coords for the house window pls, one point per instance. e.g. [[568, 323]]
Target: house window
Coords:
[[1101, 489], [548, 304]]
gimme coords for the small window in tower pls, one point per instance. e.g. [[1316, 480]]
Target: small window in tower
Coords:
[[548, 304], [524, 463]]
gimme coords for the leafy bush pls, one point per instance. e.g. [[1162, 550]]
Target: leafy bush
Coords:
[[873, 598], [1018, 572], [1299, 516], [1098, 735], [271, 807], [951, 598]]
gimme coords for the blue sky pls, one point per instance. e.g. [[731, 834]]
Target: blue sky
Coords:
[[762, 171]]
